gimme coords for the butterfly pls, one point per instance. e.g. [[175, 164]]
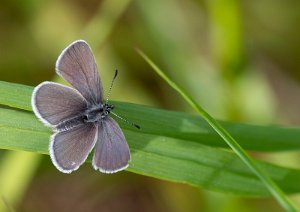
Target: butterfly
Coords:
[[79, 116]]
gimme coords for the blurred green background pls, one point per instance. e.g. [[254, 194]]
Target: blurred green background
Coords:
[[239, 59]]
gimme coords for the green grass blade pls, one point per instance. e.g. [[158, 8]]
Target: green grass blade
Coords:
[[15, 95], [180, 125], [278, 194], [186, 162]]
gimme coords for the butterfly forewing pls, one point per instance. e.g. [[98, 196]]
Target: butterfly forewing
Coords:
[[112, 151], [69, 149], [54, 103], [77, 65]]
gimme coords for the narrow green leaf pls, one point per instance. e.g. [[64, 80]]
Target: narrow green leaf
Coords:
[[277, 193], [159, 156], [15, 95], [179, 125], [158, 149]]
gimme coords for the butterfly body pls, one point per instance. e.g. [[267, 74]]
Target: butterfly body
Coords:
[[79, 117], [70, 123], [97, 113]]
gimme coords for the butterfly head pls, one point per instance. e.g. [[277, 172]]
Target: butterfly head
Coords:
[[107, 108]]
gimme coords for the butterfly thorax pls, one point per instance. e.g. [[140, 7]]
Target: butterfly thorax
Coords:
[[90, 115], [97, 112]]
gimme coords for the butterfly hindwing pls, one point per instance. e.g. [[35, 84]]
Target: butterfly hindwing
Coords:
[[112, 152]]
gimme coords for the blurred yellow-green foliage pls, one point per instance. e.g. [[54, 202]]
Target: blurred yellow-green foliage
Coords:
[[239, 59]]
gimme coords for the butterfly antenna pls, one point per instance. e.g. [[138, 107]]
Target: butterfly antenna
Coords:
[[112, 83], [126, 121]]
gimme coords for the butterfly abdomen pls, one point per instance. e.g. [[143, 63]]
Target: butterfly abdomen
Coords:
[[69, 124]]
